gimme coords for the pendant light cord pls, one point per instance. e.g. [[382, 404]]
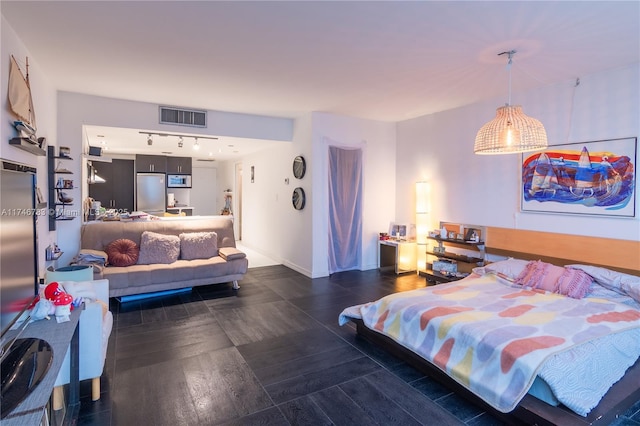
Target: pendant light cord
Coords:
[[509, 63]]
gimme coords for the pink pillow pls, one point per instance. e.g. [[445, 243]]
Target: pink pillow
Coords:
[[538, 274], [555, 279]]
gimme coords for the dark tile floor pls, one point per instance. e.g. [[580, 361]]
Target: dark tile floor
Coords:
[[270, 354]]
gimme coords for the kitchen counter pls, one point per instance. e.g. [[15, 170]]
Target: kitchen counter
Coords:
[[188, 210]]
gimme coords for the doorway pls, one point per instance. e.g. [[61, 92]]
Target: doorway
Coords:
[[237, 208]]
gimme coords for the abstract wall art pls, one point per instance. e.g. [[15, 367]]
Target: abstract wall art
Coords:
[[590, 178]]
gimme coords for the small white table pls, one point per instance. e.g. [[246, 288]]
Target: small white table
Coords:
[[397, 256]]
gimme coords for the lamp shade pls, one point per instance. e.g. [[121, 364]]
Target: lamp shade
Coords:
[[422, 197], [510, 132]]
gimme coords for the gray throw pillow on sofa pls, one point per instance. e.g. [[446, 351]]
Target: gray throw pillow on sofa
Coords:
[[198, 245], [158, 248]]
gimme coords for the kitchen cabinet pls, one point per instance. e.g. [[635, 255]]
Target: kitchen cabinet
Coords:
[[117, 192], [151, 164], [179, 165]]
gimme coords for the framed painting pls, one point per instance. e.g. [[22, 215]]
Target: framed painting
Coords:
[[589, 178]]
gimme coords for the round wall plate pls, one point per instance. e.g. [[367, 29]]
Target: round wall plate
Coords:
[[298, 198], [299, 167]]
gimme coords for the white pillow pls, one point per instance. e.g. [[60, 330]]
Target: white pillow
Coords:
[[510, 267], [616, 281], [79, 289]]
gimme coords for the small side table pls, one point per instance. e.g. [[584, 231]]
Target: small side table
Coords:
[[396, 256]]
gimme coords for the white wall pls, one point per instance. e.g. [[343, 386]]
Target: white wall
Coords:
[[298, 239], [484, 190], [44, 100], [270, 223]]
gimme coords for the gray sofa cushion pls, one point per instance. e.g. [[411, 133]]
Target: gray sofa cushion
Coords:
[[198, 245], [158, 248]]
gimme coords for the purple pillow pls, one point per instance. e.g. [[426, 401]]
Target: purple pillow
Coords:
[[574, 283]]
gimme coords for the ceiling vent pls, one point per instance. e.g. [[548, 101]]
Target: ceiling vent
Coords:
[[183, 117]]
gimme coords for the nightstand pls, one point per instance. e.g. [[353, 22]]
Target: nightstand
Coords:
[[396, 256]]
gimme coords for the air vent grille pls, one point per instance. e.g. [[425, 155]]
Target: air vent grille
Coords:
[[183, 117]]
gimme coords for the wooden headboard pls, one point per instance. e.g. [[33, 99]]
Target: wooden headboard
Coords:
[[563, 249]]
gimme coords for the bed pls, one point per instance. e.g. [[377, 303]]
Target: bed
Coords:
[[561, 349]]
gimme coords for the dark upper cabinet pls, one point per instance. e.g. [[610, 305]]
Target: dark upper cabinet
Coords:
[[117, 192], [151, 164], [179, 165]]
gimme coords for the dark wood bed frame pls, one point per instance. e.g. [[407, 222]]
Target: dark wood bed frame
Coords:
[[560, 249]]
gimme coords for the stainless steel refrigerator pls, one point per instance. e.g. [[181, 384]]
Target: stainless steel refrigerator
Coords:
[[18, 240], [151, 193]]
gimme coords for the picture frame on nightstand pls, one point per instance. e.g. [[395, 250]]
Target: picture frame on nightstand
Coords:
[[402, 231]]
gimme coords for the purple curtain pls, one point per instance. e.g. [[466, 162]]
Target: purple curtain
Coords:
[[345, 209]]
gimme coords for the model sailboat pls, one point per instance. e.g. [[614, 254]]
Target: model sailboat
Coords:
[[21, 103]]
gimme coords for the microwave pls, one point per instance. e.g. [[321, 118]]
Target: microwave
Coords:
[[178, 181]]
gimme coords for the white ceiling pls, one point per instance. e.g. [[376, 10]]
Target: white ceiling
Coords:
[[386, 61]]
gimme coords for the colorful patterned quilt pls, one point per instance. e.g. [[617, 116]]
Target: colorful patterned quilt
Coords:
[[490, 336]]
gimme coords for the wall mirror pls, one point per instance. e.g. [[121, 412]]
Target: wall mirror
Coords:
[[298, 198], [299, 167]]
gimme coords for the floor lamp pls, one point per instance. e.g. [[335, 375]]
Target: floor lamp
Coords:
[[423, 207]]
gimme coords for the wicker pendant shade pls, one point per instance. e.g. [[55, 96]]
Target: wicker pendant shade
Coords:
[[511, 131]]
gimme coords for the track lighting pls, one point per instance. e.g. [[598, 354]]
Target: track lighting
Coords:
[[196, 145]]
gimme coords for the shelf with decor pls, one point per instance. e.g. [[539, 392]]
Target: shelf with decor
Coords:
[[58, 199], [455, 250], [26, 145]]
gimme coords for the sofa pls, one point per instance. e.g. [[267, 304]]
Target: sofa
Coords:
[[196, 264]]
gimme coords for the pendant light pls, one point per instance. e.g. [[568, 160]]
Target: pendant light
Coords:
[[511, 131]]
